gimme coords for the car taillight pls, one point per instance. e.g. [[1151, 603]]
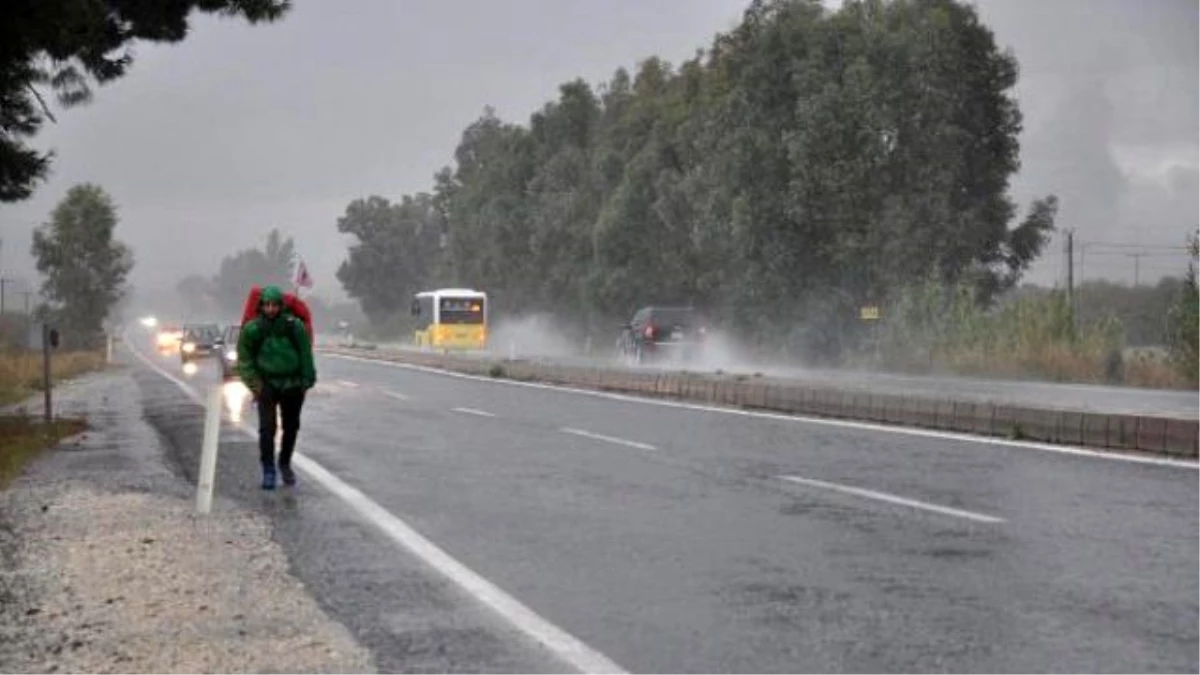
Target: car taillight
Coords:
[[649, 332]]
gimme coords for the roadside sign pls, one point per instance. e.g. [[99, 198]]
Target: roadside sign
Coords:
[[869, 313], [39, 337]]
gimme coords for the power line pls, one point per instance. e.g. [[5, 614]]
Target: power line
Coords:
[[1151, 253], [1147, 247], [1156, 259], [9, 286]]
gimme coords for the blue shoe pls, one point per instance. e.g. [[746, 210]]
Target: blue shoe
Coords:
[[268, 478]]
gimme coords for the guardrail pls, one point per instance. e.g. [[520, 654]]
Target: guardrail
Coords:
[[1119, 432]]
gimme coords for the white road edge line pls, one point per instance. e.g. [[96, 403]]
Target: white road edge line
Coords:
[[607, 439], [561, 643], [395, 394], [473, 411], [348, 383], [802, 419], [894, 499]]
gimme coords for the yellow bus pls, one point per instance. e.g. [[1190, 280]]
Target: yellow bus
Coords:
[[451, 318]]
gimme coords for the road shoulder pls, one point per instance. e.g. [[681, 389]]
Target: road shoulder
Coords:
[[108, 569]]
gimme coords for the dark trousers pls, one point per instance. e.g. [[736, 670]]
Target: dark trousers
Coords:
[[288, 403]]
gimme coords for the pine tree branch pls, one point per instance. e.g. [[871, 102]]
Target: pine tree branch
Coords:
[[45, 108]]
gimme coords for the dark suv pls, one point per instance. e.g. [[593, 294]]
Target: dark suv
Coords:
[[661, 334]]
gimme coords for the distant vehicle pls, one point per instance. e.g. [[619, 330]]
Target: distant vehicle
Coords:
[[227, 352], [168, 338], [199, 341], [451, 318], [657, 334]]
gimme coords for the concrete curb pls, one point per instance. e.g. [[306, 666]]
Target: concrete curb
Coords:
[[1142, 433]]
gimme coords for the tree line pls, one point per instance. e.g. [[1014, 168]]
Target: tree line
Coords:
[[221, 297], [224, 293], [807, 163]]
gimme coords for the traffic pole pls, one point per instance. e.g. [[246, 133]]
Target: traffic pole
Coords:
[[208, 451]]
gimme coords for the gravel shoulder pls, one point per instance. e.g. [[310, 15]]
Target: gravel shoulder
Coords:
[[104, 566]]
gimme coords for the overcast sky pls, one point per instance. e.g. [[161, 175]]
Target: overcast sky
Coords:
[[208, 144]]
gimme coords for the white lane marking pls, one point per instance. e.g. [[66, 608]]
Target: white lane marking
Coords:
[[894, 499], [561, 643], [845, 424], [473, 411], [607, 439], [348, 383], [395, 394], [567, 647]]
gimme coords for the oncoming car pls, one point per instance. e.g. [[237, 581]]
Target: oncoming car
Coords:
[[227, 352], [168, 338], [657, 334], [199, 341]]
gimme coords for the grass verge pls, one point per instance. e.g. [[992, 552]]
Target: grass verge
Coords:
[[939, 329], [21, 371], [22, 437]]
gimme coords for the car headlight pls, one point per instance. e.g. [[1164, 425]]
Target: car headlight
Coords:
[[231, 355], [189, 347]]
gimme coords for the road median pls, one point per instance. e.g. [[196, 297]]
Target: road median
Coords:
[[1115, 431]]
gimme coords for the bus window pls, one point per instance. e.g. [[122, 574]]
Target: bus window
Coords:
[[461, 311]]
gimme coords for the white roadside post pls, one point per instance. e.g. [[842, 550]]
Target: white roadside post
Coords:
[[208, 450], [109, 349]]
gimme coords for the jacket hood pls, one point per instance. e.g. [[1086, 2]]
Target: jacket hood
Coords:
[[271, 293], [268, 294]]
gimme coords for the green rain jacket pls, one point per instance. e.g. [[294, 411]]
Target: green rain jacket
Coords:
[[275, 351]]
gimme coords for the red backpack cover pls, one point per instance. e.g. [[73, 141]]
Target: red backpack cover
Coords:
[[295, 305]]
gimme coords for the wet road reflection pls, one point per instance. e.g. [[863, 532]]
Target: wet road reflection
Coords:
[[235, 394]]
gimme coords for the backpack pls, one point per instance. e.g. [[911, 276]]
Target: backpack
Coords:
[[294, 304]]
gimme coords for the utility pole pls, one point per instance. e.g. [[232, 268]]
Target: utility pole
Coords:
[[27, 294], [1082, 255], [1071, 271], [1137, 268], [47, 382], [3, 281]]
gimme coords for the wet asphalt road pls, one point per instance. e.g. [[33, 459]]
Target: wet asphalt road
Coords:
[[669, 539]]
